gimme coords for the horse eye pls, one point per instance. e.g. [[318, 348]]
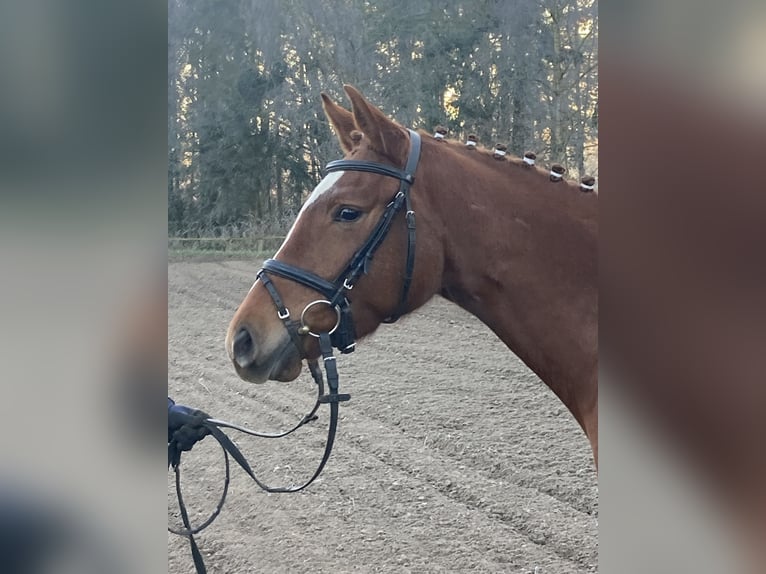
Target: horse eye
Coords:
[[347, 214]]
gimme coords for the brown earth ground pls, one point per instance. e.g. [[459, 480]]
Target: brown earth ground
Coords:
[[451, 455]]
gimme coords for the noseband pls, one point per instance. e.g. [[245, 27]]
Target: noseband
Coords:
[[343, 334]]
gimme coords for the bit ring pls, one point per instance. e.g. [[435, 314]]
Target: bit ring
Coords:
[[317, 302]]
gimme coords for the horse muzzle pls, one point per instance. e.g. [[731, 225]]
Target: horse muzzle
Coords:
[[255, 364]]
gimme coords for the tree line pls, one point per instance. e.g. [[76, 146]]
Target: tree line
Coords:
[[247, 138]]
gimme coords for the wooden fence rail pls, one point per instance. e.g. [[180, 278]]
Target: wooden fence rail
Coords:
[[264, 243]]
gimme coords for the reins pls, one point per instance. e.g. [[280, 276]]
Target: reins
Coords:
[[187, 426]]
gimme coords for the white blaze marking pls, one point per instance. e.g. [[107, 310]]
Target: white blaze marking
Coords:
[[324, 186]]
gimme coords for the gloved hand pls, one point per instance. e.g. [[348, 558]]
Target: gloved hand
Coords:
[[186, 427]]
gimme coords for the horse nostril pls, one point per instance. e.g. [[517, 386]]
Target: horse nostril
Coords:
[[243, 348]]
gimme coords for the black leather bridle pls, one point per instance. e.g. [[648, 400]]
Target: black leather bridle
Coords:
[[343, 334], [188, 426]]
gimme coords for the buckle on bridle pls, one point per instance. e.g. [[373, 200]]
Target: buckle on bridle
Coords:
[[284, 316]]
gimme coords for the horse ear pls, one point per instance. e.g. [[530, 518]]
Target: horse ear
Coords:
[[384, 135], [342, 122]]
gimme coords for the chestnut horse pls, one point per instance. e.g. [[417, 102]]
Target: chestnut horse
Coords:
[[496, 237]]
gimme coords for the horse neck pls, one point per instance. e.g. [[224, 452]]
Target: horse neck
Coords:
[[520, 253]]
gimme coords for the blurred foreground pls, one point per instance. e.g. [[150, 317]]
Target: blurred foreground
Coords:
[[683, 312]]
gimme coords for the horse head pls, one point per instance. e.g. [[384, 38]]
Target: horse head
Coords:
[[340, 216]]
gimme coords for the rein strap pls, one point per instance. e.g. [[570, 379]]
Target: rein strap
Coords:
[[187, 426]]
